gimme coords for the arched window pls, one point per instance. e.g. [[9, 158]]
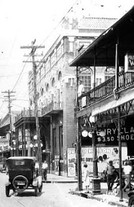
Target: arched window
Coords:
[[42, 91], [59, 75], [47, 87], [53, 82]]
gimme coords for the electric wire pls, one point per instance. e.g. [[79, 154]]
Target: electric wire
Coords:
[[55, 27], [52, 31], [20, 75]]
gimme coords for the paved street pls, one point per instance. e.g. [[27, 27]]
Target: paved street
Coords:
[[53, 195]]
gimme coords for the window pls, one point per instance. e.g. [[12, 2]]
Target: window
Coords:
[[53, 82], [86, 81], [47, 87], [109, 72], [59, 75], [42, 91], [98, 81]]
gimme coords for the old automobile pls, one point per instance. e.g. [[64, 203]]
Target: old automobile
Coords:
[[22, 175]]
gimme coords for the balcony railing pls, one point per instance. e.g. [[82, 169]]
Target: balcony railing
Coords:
[[26, 113], [52, 107], [105, 89]]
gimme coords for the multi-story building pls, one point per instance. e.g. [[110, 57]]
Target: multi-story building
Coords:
[[56, 85], [108, 111]]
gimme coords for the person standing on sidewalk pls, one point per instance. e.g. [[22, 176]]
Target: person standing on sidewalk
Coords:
[[44, 170], [127, 173], [110, 174], [86, 179]]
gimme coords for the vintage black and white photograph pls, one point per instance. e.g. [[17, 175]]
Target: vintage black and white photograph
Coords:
[[66, 103]]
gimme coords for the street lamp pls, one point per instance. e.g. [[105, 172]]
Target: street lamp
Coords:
[[95, 180], [89, 128]]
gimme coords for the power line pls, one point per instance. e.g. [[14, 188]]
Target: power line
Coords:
[[58, 23], [42, 44], [10, 75], [20, 75]]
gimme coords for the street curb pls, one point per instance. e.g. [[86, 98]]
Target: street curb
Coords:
[[91, 196], [59, 181]]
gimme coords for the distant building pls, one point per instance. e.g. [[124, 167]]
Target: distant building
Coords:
[[5, 135]]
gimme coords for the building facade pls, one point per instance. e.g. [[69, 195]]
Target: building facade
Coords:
[[107, 113], [56, 86]]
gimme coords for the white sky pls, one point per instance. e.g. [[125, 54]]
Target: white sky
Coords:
[[21, 21]]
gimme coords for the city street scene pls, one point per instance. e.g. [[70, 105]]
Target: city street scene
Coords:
[[67, 103]]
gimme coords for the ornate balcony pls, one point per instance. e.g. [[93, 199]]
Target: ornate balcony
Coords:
[[106, 89]]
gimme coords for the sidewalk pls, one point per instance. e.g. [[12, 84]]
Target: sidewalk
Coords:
[[103, 197], [60, 179]]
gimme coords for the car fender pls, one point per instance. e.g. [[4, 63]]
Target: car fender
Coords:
[[7, 183]]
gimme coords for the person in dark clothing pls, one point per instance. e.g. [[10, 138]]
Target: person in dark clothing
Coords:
[[110, 173]]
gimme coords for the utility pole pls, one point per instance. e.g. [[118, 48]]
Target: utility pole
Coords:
[[79, 169], [33, 48], [9, 97]]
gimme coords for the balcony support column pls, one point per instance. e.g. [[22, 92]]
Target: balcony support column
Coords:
[[116, 96]]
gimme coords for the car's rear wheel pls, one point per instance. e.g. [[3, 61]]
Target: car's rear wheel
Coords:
[[7, 191]]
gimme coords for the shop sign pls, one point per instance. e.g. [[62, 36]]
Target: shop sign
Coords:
[[71, 158], [111, 137]]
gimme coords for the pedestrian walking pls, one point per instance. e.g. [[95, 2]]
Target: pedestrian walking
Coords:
[[127, 173], [86, 178], [44, 170], [110, 174], [37, 168]]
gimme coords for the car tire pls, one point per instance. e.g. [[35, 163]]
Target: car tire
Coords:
[[20, 177], [131, 201], [7, 191]]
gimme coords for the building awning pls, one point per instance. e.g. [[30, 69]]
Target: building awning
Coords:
[[125, 97], [102, 51]]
